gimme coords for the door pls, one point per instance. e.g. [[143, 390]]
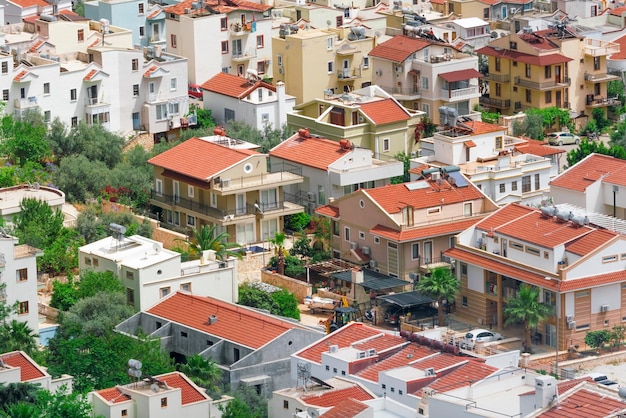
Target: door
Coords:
[[503, 247], [558, 98], [346, 68], [176, 187], [237, 50], [136, 123], [156, 34], [392, 259], [92, 94], [428, 252], [557, 74], [240, 209]]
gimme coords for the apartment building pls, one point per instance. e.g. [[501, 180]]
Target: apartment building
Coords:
[[535, 69], [405, 228], [16, 11], [425, 73], [217, 37], [566, 253], [314, 62], [369, 118], [331, 169], [216, 181]]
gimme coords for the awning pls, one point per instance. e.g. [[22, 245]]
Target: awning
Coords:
[[469, 144], [460, 75], [407, 299], [372, 279]]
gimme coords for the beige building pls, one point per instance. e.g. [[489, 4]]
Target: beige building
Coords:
[[311, 62], [536, 70], [368, 118]]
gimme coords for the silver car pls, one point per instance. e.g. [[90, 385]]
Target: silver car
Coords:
[[479, 335]]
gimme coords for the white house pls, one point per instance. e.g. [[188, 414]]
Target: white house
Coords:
[[150, 272], [15, 11], [18, 367]]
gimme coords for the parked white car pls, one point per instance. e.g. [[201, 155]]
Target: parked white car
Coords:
[[479, 335]]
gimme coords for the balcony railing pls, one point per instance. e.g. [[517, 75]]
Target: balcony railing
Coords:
[[458, 93], [243, 55], [226, 185], [348, 74], [544, 85], [491, 101], [594, 101], [600, 77], [405, 91], [498, 78], [25, 103], [597, 47]]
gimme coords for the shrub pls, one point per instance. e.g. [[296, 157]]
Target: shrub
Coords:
[[298, 221]]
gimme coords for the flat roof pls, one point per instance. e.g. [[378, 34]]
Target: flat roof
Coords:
[[11, 197], [134, 252]]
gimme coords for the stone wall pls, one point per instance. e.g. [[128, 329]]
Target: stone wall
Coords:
[[299, 288]]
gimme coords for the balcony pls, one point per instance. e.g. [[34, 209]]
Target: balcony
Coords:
[[493, 102], [25, 103], [241, 29], [249, 183], [544, 85], [94, 102], [599, 48], [403, 93], [459, 94], [498, 78], [348, 74], [241, 56], [600, 77], [595, 101]]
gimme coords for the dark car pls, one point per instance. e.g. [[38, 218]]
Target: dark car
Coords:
[[393, 313]]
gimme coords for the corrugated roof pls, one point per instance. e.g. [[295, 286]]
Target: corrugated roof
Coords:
[[200, 159]]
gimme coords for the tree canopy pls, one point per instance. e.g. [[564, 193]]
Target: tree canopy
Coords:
[[527, 308], [440, 284]]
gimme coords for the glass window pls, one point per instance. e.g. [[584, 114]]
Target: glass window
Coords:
[[415, 251], [135, 90]]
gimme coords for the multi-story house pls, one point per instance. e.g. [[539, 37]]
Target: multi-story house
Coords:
[[331, 169], [250, 347], [312, 62], [129, 14], [368, 118], [19, 277], [211, 181], [215, 36], [469, 32], [596, 184], [535, 70], [150, 272], [503, 167], [485, 9], [405, 228], [576, 264], [425, 74], [16, 11], [251, 100]]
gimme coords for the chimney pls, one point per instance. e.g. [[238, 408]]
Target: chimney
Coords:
[[357, 276], [282, 112], [545, 391]]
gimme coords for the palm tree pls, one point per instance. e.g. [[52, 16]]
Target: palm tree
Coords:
[[207, 239], [17, 335], [527, 308], [278, 241], [203, 373], [440, 285]]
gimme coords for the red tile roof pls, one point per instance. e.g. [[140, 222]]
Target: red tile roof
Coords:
[[394, 197], [538, 148], [502, 268], [622, 49], [585, 403], [469, 144], [200, 159], [344, 337], [465, 375], [399, 48], [440, 362], [334, 397], [447, 228], [618, 11], [593, 281], [221, 6], [20, 75], [235, 323], [29, 370], [190, 393], [314, 152], [150, 71], [381, 343], [90, 75], [540, 60], [490, 2], [328, 210], [409, 354], [590, 242], [36, 45], [591, 169], [504, 215], [346, 409], [460, 75], [30, 3], [384, 111], [113, 395], [233, 86]]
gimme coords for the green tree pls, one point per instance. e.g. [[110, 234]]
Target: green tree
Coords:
[[532, 126], [406, 160], [96, 315], [527, 308], [20, 410], [17, 335], [13, 393], [615, 88], [24, 139], [586, 147], [37, 224], [597, 339], [63, 294], [599, 116], [93, 224], [287, 303], [278, 241], [207, 239], [204, 373], [298, 221], [80, 178], [440, 284], [246, 404], [61, 255], [256, 298], [63, 404]]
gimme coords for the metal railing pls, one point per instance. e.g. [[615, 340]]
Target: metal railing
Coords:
[[490, 101], [544, 85]]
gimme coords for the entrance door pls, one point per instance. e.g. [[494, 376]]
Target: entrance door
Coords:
[[551, 335], [428, 252], [241, 204], [558, 99], [503, 247]]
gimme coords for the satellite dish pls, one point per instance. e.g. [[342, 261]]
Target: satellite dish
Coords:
[[377, 34], [328, 22], [156, 247], [312, 412], [622, 392]]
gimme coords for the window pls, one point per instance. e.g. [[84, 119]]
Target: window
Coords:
[[336, 228], [467, 209], [229, 114], [46, 116], [163, 402], [173, 40], [158, 187], [130, 275], [537, 182], [498, 64], [5, 67], [346, 234], [140, 6], [498, 89], [549, 298], [529, 96], [366, 62], [525, 184], [513, 45], [548, 71], [81, 35], [260, 41], [134, 64], [486, 13], [224, 24], [22, 275], [74, 121], [191, 220], [161, 111], [73, 95], [514, 186], [186, 287], [88, 261], [502, 188], [463, 269], [330, 43], [609, 258], [164, 291], [433, 211], [386, 146], [260, 67], [190, 191], [548, 96], [285, 404], [124, 412], [173, 84], [527, 71], [516, 246], [142, 31], [339, 21], [174, 108], [532, 250], [415, 251], [224, 47], [46, 88], [5, 95], [22, 308], [95, 262], [464, 301], [424, 83], [130, 296], [498, 142], [596, 63], [330, 66], [135, 90]]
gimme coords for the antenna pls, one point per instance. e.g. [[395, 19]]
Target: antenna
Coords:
[[156, 247]]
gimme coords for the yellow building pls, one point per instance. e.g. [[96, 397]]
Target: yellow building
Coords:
[[535, 70], [312, 61]]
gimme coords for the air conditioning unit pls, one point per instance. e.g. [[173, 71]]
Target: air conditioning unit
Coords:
[[366, 250], [371, 352], [310, 196], [569, 318], [571, 324], [398, 69], [361, 354], [226, 183], [378, 72], [354, 245], [429, 371], [604, 308], [373, 263], [333, 348]]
